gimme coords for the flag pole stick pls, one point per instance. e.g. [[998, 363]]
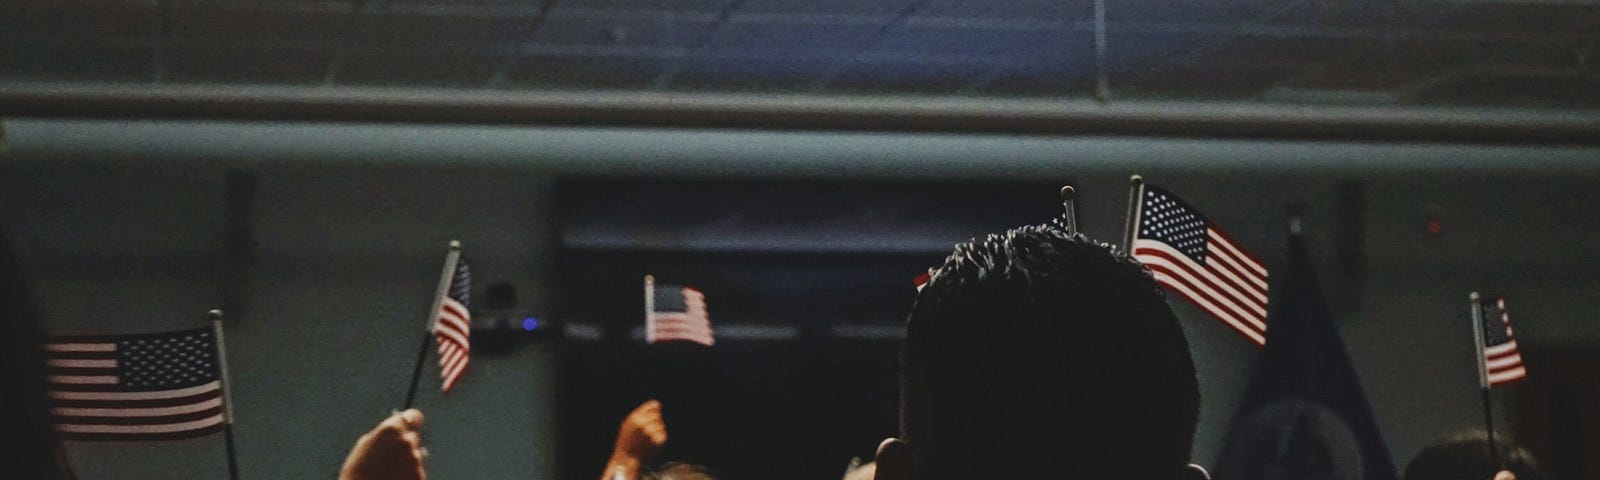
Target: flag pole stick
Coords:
[[450, 260], [1488, 422], [1483, 375], [227, 394], [649, 308], [1135, 194], [1069, 197]]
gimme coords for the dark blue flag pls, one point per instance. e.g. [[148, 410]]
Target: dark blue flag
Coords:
[[1304, 415]]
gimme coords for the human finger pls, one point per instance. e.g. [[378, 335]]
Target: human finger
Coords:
[[412, 418]]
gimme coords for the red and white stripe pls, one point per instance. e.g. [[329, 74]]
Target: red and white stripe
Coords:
[[693, 325], [1503, 362], [452, 328], [88, 402], [1231, 285], [923, 278]]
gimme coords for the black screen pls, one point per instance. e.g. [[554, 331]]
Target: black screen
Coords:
[[821, 273]]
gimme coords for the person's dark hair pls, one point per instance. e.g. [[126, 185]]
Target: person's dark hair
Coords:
[[1466, 456], [680, 471], [1038, 351], [23, 406]]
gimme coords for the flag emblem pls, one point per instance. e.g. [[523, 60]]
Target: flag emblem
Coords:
[[676, 313], [923, 278], [1501, 360], [1191, 256], [1304, 403], [452, 326], [144, 387]]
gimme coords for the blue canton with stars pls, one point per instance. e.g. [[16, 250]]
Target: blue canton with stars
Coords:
[[461, 283], [1496, 325], [167, 361], [1166, 219]]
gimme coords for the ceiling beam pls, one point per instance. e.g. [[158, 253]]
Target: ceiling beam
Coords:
[[356, 10], [1016, 116], [1569, 38], [901, 16], [700, 46], [519, 35]]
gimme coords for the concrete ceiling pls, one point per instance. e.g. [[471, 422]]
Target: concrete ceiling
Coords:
[[1317, 52]]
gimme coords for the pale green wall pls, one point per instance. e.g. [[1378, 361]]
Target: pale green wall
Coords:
[[124, 233], [335, 305]]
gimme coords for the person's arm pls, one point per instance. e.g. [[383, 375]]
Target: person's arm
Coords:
[[391, 451], [638, 440]]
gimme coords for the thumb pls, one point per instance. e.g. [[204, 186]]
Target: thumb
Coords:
[[412, 418]]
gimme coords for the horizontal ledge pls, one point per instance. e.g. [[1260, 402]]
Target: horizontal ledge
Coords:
[[739, 332], [592, 332], [875, 113], [909, 245]]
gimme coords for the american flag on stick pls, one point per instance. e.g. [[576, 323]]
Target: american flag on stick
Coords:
[[452, 326], [675, 313], [1191, 256], [162, 386], [1500, 360], [922, 279]]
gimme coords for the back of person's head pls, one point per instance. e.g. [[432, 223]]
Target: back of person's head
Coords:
[[1466, 456], [1038, 353], [24, 410], [680, 471]]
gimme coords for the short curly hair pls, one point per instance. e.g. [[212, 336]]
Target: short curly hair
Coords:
[[1038, 349], [680, 471]]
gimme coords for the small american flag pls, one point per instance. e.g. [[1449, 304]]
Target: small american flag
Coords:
[[923, 278], [674, 313], [1501, 361], [453, 327], [1191, 256], [162, 386]]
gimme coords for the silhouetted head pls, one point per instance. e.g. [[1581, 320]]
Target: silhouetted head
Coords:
[[24, 410], [1037, 353], [1466, 456], [680, 471]]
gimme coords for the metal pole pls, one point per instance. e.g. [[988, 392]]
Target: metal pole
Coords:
[[1135, 198], [450, 260], [1069, 197], [1488, 423], [1477, 334], [649, 308], [1483, 375], [227, 394]]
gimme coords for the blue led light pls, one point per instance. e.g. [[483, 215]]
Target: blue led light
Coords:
[[529, 323]]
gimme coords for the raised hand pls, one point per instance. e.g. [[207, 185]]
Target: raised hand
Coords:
[[391, 451], [638, 440]]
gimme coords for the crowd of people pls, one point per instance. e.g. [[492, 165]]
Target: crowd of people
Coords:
[[1006, 373]]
